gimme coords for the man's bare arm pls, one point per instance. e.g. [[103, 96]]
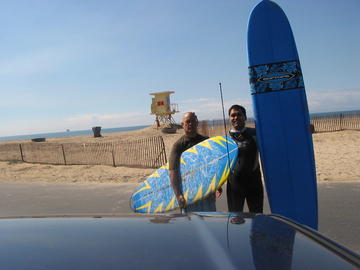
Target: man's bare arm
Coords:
[[175, 179]]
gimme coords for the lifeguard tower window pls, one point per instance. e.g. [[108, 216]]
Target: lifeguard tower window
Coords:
[[163, 109]]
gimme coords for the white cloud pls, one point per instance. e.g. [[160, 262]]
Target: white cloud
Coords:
[[211, 108], [197, 100], [77, 122], [318, 101], [205, 108], [107, 120], [334, 100]]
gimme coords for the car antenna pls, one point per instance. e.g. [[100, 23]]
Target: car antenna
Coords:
[[223, 111], [228, 155]]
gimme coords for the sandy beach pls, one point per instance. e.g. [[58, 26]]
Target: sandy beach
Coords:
[[337, 156]]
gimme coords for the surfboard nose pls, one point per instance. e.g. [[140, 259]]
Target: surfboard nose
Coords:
[[276, 40]]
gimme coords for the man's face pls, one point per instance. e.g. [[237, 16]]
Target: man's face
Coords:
[[237, 119], [189, 124]]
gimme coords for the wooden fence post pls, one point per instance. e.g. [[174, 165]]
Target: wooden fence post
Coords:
[[113, 157], [21, 153], [341, 121], [62, 146]]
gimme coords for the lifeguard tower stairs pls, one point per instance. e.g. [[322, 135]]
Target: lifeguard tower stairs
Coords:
[[163, 109]]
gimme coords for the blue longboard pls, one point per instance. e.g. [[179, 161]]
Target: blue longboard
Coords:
[[204, 168], [281, 115]]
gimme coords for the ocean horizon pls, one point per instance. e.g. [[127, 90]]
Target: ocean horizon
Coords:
[[132, 128], [70, 133]]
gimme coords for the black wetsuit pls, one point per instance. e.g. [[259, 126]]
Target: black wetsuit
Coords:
[[181, 145], [245, 181]]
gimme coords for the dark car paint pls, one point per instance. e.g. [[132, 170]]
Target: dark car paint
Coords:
[[194, 241]]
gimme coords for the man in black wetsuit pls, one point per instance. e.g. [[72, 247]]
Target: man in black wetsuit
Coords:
[[245, 181], [191, 138]]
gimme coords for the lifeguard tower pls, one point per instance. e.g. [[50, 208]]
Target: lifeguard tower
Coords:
[[163, 109]]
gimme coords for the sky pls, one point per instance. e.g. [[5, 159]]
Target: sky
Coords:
[[75, 64]]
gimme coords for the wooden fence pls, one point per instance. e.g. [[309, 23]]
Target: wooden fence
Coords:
[[146, 153], [336, 122]]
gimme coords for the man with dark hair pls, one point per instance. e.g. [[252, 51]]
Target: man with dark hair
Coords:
[[191, 138], [244, 182]]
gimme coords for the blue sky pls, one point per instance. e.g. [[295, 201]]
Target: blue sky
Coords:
[[68, 64]]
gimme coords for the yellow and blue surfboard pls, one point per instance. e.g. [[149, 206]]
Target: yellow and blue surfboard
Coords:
[[204, 168]]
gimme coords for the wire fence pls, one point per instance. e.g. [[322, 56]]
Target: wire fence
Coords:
[[320, 123], [143, 153]]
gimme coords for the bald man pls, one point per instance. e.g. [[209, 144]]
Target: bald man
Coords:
[[191, 138]]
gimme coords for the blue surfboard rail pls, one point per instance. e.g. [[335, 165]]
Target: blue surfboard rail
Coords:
[[281, 115], [204, 168]]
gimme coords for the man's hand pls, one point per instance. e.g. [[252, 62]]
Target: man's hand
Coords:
[[218, 192], [181, 201]]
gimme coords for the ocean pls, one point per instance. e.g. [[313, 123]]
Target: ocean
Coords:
[[70, 133]]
